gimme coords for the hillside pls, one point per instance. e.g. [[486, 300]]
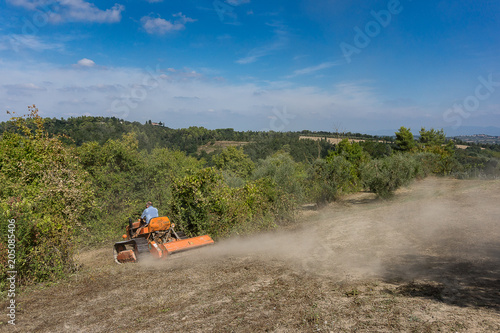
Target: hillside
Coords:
[[426, 261]]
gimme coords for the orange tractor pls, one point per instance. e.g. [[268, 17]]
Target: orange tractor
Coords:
[[158, 238]]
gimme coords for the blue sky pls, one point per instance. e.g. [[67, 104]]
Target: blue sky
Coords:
[[359, 66]]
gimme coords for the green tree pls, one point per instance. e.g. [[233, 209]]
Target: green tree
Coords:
[[329, 178], [433, 141], [234, 160], [376, 149], [353, 153], [119, 176], [431, 137], [404, 139], [162, 167], [285, 172]]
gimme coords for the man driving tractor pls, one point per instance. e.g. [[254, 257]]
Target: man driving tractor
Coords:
[[154, 235], [146, 216]]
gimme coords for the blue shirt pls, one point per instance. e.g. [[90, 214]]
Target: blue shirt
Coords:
[[149, 213]]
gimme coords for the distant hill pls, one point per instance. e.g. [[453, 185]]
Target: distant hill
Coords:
[[480, 138], [449, 131], [151, 135], [472, 130]]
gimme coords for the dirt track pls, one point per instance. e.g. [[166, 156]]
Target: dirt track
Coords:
[[426, 261]]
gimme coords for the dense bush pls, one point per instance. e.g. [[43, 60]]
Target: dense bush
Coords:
[[235, 161], [118, 175], [203, 203], [384, 176], [476, 163], [288, 175], [428, 163], [376, 149], [354, 154], [48, 194], [329, 178], [351, 151]]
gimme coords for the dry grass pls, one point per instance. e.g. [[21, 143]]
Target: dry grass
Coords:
[[209, 147], [426, 261], [332, 140]]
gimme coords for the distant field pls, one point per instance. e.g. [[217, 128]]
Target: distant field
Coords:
[[209, 147], [331, 140], [465, 147], [337, 140]]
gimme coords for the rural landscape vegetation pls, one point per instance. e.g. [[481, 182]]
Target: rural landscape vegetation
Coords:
[[317, 166], [303, 222]]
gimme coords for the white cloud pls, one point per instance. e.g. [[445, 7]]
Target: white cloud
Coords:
[[280, 41], [183, 18], [259, 52], [85, 63], [29, 4], [16, 42], [161, 26], [182, 97], [237, 2], [24, 86], [22, 90], [71, 10], [135, 94], [313, 69]]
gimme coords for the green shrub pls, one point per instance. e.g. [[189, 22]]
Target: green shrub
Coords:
[[427, 164], [48, 194], [288, 175], [384, 176], [329, 178], [351, 151], [202, 203], [234, 160], [232, 179], [195, 198]]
